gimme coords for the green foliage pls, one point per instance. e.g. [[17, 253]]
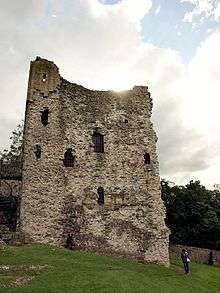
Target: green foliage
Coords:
[[193, 214], [47, 269], [15, 151]]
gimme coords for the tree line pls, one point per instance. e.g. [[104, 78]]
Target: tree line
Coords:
[[14, 153], [192, 214]]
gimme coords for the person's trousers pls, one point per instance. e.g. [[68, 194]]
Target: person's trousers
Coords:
[[186, 267]]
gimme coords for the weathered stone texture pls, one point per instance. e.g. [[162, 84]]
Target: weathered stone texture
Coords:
[[11, 170], [58, 200], [10, 188], [10, 194]]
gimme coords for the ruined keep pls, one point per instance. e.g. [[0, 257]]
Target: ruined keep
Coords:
[[90, 169]]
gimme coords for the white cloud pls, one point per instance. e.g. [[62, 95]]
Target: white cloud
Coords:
[[200, 89], [134, 11], [100, 46], [210, 30], [203, 79], [157, 11], [201, 10], [217, 13], [188, 17]]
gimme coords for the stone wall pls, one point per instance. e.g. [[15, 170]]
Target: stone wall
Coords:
[[58, 201], [10, 188], [11, 170], [10, 193], [196, 254]]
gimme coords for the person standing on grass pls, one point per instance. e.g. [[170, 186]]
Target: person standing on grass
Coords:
[[185, 260]]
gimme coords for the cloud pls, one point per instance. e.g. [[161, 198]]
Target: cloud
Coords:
[[7, 125], [100, 46], [200, 110], [217, 13], [201, 10], [157, 11], [203, 80], [188, 17]]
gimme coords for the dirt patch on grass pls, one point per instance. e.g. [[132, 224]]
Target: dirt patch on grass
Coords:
[[17, 276]]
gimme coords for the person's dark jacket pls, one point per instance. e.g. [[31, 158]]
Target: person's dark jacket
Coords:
[[184, 256]]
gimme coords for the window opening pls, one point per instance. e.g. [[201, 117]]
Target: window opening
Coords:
[[101, 195], [69, 158], [44, 117], [38, 151], [147, 158], [44, 77], [98, 140], [43, 95]]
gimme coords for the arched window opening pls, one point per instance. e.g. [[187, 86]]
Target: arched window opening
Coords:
[[38, 151], [98, 141], [147, 158], [44, 117], [69, 158], [44, 77], [101, 194]]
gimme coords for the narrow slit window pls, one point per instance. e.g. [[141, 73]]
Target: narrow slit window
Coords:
[[101, 195], [44, 77], [38, 151], [44, 117], [98, 141], [147, 158], [69, 158]]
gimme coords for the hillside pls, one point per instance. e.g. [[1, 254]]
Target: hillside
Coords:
[[30, 269]]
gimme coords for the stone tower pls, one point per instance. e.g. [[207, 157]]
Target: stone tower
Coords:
[[91, 169]]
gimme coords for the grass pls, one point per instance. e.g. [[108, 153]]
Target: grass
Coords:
[[39, 268]]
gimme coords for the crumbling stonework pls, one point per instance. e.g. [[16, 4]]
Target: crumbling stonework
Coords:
[[10, 188], [91, 169], [10, 195]]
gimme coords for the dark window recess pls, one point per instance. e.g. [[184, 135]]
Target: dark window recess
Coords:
[[44, 117], [43, 95], [146, 158], [44, 77], [38, 151], [69, 158], [101, 198], [98, 141]]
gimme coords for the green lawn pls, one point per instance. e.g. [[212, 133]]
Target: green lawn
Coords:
[[47, 269]]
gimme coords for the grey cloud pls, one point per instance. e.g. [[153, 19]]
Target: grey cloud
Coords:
[[181, 150], [6, 127], [86, 49]]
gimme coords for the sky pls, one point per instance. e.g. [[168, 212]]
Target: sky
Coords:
[[172, 46]]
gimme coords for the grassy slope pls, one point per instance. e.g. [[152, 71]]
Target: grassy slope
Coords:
[[69, 271]]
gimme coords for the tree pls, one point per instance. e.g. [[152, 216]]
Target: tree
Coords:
[[15, 150], [193, 214]]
